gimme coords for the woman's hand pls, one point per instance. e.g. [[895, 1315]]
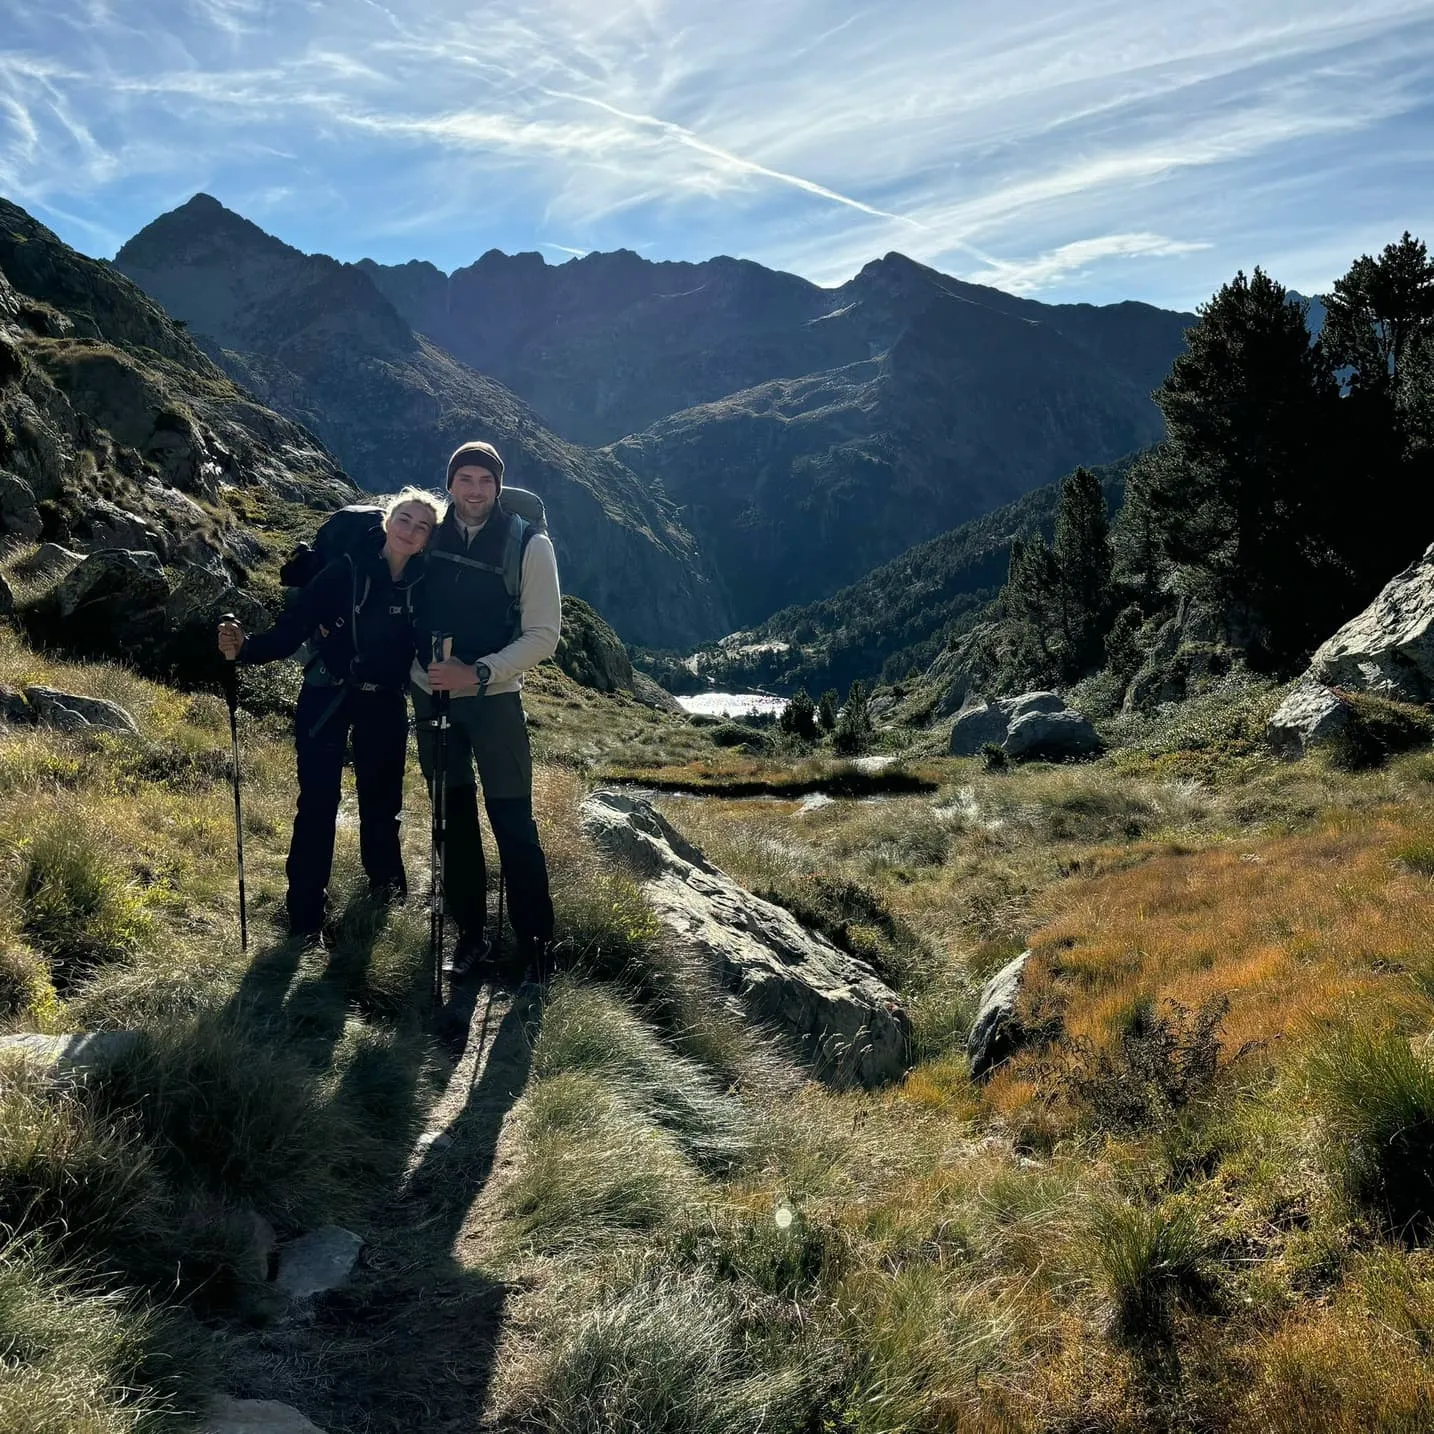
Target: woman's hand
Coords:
[[231, 639]]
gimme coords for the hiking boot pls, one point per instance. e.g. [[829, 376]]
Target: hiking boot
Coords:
[[309, 944], [539, 958], [468, 955], [388, 893]]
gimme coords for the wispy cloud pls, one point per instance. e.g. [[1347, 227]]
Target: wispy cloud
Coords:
[[1071, 148]]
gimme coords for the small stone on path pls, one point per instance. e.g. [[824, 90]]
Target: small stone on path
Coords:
[[76, 1054], [317, 1262], [255, 1416]]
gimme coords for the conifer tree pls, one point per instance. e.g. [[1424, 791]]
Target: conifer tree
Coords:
[[1082, 561], [1242, 491], [799, 716], [827, 707], [853, 729]]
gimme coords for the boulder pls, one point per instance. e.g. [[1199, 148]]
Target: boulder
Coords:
[[107, 525], [255, 1416], [1015, 707], [847, 1020], [112, 578], [48, 558], [13, 707], [995, 1033], [1310, 716], [1389, 648], [1052, 736], [71, 1055], [317, 1262], [977, 725], [70, 712]]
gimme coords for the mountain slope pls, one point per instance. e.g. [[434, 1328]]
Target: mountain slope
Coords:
[[894, 619], [317, 340]]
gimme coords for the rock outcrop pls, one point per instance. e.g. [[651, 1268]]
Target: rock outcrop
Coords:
[[72, 712], [850, 1024], [1312, 715], [255, 1416], [1389, 648], [996, 1032], [1034, 725]]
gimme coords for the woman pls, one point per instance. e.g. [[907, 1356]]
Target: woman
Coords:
[[361, 609]]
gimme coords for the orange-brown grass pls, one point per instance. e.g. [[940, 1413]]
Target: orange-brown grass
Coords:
[[1292, 930]]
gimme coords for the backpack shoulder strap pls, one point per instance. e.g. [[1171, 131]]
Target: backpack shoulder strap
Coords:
[[519, 532]]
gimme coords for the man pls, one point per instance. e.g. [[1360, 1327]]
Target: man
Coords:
[[494, 641]]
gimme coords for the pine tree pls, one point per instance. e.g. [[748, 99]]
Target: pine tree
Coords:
[[827, 707], [1242, 492], [853, 729], [1082, 560], [1139, 564], [799, 716]]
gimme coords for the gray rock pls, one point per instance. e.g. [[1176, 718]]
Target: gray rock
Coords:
[[48, 558], [255, 1416], [976, 726], [107, 525], [1310, 716], [71, 1055], [1389, 648], [847, 1020], [70, 712], [13, 707], [132, 580], [1054, 736], [201, 594], [19, 514], [653, 694], [263, 1244], [995, 1033], [317, 1262], [1015, 707]]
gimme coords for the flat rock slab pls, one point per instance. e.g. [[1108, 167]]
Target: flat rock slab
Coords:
[[317, 1262], [850, 1022], [255, 1416], [77, 1054]]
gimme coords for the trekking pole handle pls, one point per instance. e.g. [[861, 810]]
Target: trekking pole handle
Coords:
[[230, 670]]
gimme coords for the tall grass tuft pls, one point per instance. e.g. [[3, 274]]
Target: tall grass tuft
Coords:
[[230, 1112], [594, 1032], [665, 1355], [1148, 1257], [76, 905], [1377, 1099], [75, 1359]]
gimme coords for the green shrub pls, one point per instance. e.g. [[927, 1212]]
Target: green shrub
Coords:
[[26, 995], [1377, 1100], [737, 734], [1148, 1257], [77, 907], [1417, 853], [1161, 1064]]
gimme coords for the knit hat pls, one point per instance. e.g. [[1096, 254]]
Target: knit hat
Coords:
[[479, 455]]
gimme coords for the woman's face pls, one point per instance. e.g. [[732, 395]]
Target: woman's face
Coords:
[[409, 527]]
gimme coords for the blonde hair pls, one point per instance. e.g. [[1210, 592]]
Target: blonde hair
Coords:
[[413, 495]]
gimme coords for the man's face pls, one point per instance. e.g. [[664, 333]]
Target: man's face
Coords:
[[474, 491]]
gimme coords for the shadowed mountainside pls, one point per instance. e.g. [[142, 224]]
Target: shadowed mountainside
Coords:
[[317, 340]]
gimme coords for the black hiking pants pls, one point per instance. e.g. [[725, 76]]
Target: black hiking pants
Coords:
[[490, 732], [324, 720]]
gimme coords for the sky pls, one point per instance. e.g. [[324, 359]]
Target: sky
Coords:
[[1093, 150]]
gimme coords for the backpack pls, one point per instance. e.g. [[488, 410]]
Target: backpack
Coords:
[[346, 533]]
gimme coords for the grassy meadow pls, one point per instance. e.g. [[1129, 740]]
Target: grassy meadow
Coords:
[[1198, 1201]]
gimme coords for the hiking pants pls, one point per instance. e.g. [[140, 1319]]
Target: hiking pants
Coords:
[[323, 721], [493, 733]]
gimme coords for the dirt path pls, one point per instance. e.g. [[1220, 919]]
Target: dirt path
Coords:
[[408, 1342]]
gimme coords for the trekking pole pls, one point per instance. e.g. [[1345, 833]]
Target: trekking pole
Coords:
[[438, 803], [499, 941], [230, 682]]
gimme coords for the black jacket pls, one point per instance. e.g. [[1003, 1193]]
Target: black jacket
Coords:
[[464, 595], [369, 617]]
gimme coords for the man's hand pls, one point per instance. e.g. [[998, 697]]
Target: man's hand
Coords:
[[451, 675], [231, 639]]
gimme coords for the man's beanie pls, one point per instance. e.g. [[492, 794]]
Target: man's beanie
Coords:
[[480, 455]]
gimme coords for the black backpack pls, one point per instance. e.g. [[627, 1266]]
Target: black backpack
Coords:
[[350, 532]]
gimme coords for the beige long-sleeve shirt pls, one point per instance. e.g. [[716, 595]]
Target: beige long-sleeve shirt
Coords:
[[540, 622]]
